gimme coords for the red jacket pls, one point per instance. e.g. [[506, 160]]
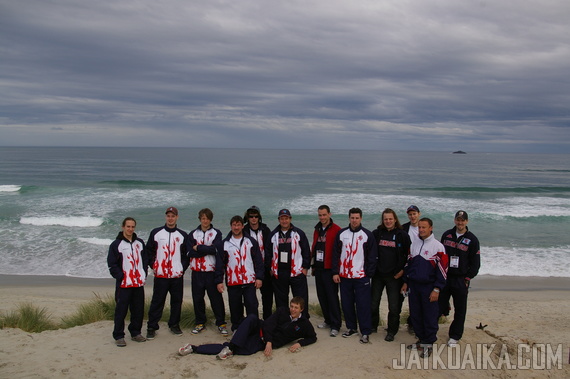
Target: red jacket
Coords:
[[330, 235]]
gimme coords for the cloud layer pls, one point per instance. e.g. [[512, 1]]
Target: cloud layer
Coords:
[[397, 74]]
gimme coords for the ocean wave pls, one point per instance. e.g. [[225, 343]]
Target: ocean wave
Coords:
[[517, 261], [96, 241], [10, 188], [135, 183], [494, 209], [539, 189], [81, 222]]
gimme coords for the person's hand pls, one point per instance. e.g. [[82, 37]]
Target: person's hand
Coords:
[[258, 283], [399, 274], [336, 279], [304, 271], [433, 296], [268, 349], [404, 288], [294, 348], [220, 287]]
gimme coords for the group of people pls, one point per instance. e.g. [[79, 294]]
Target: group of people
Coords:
[[406, 260]]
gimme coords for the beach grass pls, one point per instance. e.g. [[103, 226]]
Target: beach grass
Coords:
[[29, 318]]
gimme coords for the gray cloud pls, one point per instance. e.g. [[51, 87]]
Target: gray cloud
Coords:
[[475, 75]]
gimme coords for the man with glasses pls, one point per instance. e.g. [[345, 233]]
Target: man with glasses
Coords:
[[260, 232]]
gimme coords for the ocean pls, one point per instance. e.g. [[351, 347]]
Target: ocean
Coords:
[[60, 208]]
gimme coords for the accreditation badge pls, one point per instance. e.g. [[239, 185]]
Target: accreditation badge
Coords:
[[454, 261], [320, 256]]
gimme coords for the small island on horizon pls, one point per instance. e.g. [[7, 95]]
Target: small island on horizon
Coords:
[[459, 152]]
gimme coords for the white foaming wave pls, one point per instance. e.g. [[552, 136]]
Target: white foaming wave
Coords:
[[101, 202], [516, 261], [517, 207], [96, 241], [82, 222], [10, 188]]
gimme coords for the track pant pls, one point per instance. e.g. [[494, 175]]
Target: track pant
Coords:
[[457, 290], [202, 283], [162, 287], [355, 299], [298, 286], [238, 297], [395, 298], [327, 293], [245, 341], [128, 299], [423, 312]]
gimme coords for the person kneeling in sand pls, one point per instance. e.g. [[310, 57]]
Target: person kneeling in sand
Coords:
[[253, 335]]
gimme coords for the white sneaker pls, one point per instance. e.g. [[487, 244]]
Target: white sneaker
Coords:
[[225, 353], [334, 333], [323, 325], [452, 342], [185, 350]]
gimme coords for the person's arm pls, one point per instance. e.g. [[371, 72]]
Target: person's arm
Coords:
[[257, 261], [305, 252], [114, 261], [440, 274], [474, 258], [151, 248], [371, 255], [184, 259], [335, 264]]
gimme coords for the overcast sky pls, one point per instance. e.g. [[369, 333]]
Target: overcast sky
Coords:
[[389, 75]]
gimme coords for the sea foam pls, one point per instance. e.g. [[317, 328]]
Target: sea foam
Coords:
[[10, 188], [81, 222]]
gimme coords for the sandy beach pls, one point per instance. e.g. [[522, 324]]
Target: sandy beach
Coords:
[[532, 311]]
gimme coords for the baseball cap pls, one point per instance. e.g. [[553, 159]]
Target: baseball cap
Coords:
[[171, 209], [462, 214], [284, 212], [413, 208]]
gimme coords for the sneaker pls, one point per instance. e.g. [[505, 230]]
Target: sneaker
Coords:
[[414, 346], [120, 342], [150, 334], [349, 333], [364, 338], [138, 338], [323, 325], [198, 328], [410, 329], [334, 333], [185, 350], [223, 330], [425, 352], [225, 353], [452, 342], [389, 337], [175, 329]]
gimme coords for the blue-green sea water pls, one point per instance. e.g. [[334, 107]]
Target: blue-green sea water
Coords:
[[60, 208]]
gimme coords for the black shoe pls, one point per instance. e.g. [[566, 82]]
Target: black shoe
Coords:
[[175, 329], [150, 334], [349, 333], [389, 337], [426, 352]]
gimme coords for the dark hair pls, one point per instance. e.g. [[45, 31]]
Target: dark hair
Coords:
[[355, 210], [252, 211], [426, 219], [236, 218], [325, 207], [129, 219], [298, 300], [206, 212], [389, 210]]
